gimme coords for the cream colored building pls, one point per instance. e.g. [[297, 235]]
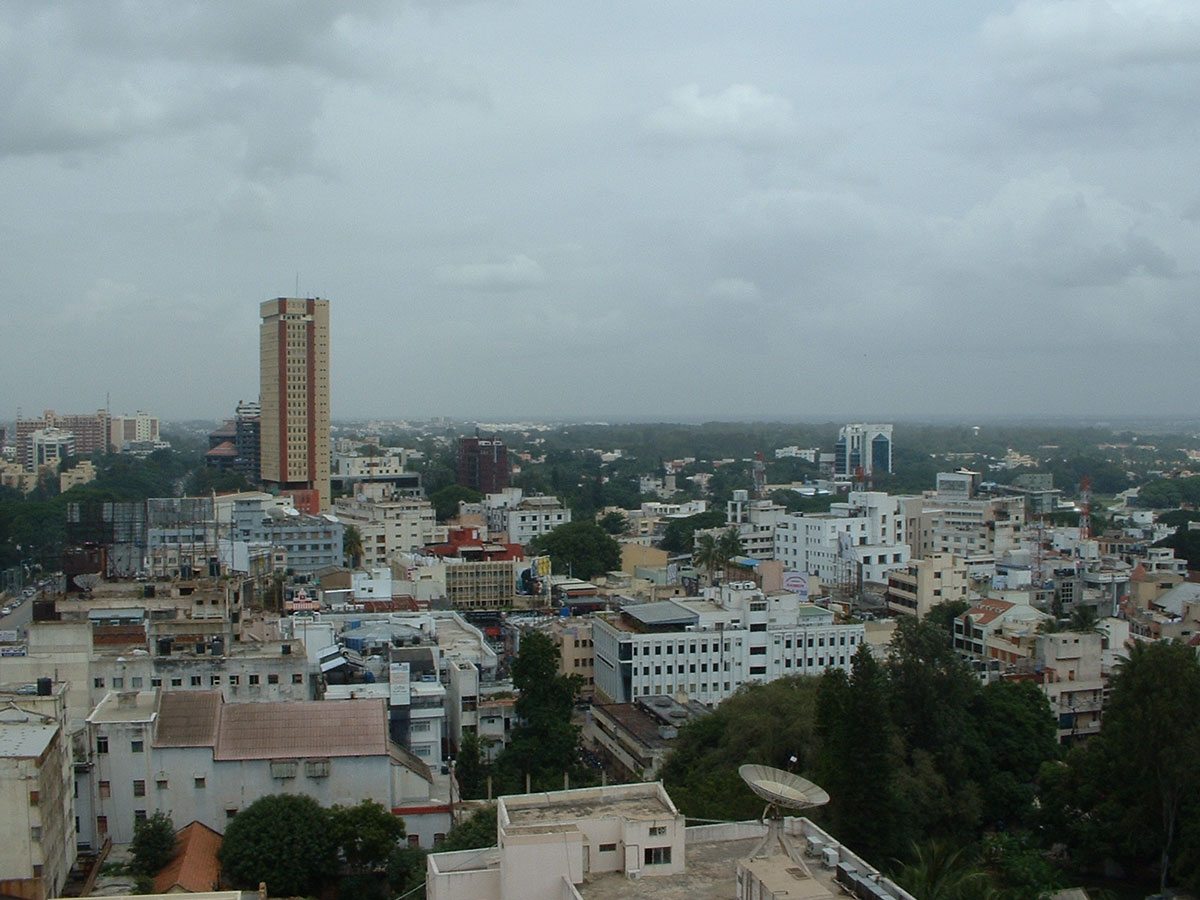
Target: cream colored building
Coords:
[[388, 523], [926, 583], [81, 473], [37, 806], [294, 387]]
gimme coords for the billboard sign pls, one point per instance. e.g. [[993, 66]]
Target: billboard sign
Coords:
[[797, 583]]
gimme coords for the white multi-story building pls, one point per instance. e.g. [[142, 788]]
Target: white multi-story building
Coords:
[[523, 518], [203, 759], [808, 454], [863, 536], [755, 522], [389, 523], [708, 647], [979, 531]]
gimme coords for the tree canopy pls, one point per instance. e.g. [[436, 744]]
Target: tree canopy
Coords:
[[582, 549], [285, 840], [153, 843]]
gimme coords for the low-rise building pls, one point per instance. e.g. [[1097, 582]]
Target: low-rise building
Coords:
[[203, 759], [523, 518], [629, 841], [634, 739]]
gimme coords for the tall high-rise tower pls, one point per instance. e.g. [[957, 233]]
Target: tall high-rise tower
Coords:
[[294, 383]]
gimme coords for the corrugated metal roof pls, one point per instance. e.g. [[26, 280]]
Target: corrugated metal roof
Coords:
[[301, 729], [187, 719]]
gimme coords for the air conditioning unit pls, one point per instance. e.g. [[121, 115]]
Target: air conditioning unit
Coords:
[[829, 857], [814, 846]]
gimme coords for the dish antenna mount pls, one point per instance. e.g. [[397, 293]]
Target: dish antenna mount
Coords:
[[781, 789]]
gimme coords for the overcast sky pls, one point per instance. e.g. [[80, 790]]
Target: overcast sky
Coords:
[[611, 209]]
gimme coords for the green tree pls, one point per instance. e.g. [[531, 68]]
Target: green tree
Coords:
[[706, 554], [284, 840], [678, 537], [937, 870], [544, 742], [406, 870], [614, 522], [944, 614], [579, 548], [352, 545], [475, 832], [854, 722], [761, 723], [366, 834], [445, 500], [153, 843], [469, 769], [1151, 731]]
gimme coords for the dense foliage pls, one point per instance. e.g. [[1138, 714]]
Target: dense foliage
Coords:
[[911, 750], [581, 549], [153, 843], [544, 744], [285, 840]]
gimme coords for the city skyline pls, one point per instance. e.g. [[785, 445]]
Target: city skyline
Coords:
[[762, 211]]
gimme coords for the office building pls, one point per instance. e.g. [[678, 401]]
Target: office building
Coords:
[[863, 446], [483, 464], [294, 401], [707, 648]]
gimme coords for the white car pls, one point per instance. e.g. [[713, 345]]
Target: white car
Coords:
[[5, 611]]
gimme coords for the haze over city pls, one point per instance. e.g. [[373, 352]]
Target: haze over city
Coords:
[[605, 210]]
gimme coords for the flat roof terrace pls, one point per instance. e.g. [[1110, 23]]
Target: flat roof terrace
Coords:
[[648, 802]]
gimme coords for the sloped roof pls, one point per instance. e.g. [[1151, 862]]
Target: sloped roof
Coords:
[[222, 449], [301, 729], [187, 719], [194, 868]]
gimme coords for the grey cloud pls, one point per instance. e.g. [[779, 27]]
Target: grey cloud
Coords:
[[516, 273], [741, 114]]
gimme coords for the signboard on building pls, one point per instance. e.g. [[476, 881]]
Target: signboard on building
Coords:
[[8, 636], [12, 651], [797, 583], [399, 679]]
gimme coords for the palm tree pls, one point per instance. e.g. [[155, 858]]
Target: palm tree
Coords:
[[729, 545], [706, 553], [938, 872], [1085, 620]]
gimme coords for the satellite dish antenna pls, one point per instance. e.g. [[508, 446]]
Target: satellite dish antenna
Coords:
[[782, 789]]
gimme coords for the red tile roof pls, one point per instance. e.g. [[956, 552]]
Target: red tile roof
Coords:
[[195, 868]]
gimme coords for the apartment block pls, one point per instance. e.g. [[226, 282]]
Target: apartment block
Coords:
[[862, 539], [925, 583], [707, 648]]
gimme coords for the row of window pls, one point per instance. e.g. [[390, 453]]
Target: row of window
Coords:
[[135, 681]]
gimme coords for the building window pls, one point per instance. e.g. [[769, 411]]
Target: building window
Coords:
[[161, 784], [35, 834], [176, 682], [657, 856], [272, 679], [155, 682], [234, 680], [105, 789], [283, 768], [136, 746], [230, 812], [297, 678], [657, 830], [139, 815], [139, 789], [34, 798], [198, 781], [135, 681], [608, 848], [102, 744], [254, 679], [98, 682], [317, 768], [195, 681], [102, 824], [214, 680]]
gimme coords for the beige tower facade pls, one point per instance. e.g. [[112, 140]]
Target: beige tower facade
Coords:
[[294, 383]]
